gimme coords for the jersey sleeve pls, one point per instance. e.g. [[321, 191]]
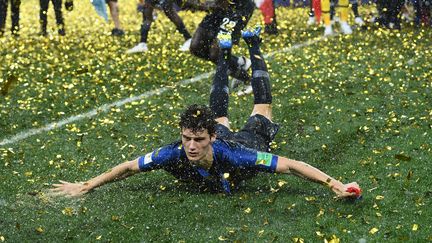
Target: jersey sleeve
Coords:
[[159, 158], [241, 156]]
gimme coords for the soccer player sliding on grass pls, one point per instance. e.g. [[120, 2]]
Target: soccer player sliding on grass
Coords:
[[209, 154]]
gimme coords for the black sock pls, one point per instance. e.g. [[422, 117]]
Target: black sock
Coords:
[[219, 92], [182, 29], [355, 9], [145, 28], [260, 77]]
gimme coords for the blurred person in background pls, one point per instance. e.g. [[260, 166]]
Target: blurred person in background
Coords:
[[115, 16], [169, 8], [15, 12], [388, 13], [58, 16], [228, 16], [268, 11]]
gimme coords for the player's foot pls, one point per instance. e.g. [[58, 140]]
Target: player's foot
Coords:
[[252, 36], [247, 90], [62, 32], [186, 45], [359, 21], [311, 21], [346, 29], [141, 47], [224, 39], [328, 31], [117, 32]]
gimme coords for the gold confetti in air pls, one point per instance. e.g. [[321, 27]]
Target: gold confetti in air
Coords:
[[197, 114]]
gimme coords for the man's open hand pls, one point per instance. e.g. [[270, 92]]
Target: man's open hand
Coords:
[[68, 189]]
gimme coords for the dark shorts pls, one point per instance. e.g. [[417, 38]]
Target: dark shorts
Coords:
[[257, 133], [107, 1], [213, 21]]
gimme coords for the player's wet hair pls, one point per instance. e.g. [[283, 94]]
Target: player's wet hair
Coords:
[[197, 118]]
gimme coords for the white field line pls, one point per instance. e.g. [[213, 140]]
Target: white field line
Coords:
[[105, 108]]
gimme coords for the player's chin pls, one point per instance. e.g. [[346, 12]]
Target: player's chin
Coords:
[[194, 157]]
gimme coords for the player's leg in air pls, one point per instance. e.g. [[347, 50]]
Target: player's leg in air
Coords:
[[260, 77], [204, 43], [260, 82], [259, 130]]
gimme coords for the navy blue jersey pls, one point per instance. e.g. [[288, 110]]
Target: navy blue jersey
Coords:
[[232, 162]]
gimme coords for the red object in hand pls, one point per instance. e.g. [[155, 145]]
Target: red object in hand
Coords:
[[357, 191]]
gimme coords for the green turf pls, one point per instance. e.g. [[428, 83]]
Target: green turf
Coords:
[[357, 107]]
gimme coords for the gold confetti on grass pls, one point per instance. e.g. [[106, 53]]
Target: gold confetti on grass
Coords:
[[373, 231], [333, 239], [68, 211], [298, 240], [39, 230]]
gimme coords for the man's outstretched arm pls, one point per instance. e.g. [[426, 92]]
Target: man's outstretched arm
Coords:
[[77, 189], [311, 173]]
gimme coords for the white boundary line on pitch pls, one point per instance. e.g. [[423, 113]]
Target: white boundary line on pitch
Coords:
[[104, 108]]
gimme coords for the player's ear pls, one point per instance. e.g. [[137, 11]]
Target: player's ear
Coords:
[[212, 137]]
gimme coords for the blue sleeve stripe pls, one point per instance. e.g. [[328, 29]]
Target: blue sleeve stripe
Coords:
[[274, 163], [141, 163]]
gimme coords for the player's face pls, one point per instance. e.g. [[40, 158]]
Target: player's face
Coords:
[[197, 145]]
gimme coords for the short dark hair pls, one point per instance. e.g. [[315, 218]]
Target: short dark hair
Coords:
[[197, 118]]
